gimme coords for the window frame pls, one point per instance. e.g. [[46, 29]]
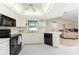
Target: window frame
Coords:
[[30, 26]]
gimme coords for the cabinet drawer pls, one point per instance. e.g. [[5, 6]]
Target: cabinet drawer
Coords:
[[4, 48], [6, 43]]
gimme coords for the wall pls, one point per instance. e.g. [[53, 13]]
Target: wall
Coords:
[[68, 23], [61, 21]]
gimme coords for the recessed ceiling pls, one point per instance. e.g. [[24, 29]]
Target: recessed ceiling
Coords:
[[46, 10], [31, 9]]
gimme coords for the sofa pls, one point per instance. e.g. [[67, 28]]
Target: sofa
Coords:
[[67, 34]]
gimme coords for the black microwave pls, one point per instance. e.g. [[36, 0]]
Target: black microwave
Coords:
[[7, 21]]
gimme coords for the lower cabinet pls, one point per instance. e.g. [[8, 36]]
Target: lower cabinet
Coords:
[[4, 48], [52, 39]]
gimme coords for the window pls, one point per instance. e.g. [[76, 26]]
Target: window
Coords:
[[32, 25]]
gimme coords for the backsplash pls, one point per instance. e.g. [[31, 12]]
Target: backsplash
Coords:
[[18, 30], [14, 30]]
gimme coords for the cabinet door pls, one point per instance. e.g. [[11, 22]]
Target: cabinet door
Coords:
[[56, 39], [7, 21], [4, 48], [48, 39]]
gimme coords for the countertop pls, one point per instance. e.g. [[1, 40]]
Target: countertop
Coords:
[[54, 32], [14, 35], [2, 40]]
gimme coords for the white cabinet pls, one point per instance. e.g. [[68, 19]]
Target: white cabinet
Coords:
[[32, 38], [20, 23], [42, 23], [56, 39], [4, 48]]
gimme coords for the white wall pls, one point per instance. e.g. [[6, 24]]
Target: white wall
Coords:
[[68, 23], [61, 21], [69, 17]]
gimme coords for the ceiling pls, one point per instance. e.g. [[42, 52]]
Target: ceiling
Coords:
[[71, 15], [31, 9], [67, 11], [46, 10]]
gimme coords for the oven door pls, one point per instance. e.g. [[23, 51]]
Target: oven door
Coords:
[[13, 45]]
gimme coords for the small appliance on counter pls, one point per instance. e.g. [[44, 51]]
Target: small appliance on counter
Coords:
[[15, 42]]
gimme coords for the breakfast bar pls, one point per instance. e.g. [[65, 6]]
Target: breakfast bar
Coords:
[[52, 38]]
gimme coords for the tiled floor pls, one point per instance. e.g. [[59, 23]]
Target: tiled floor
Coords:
[[42, 49]]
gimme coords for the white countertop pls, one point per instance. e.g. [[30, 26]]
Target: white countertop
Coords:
[[2, 40], [54, 32]]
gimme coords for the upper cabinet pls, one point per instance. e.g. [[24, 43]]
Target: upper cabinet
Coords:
[[7, 21], [21, 22]]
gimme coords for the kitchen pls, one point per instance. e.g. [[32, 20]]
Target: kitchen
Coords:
[[25, 30], [11, 26]]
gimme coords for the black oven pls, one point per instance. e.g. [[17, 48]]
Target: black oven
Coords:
[[15, 44], [15, 41]]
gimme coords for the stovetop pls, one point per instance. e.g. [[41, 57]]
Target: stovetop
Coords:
[[6, 33], [13, 35], [9, 35]]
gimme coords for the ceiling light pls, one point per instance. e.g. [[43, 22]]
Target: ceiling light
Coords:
[[32, 13]]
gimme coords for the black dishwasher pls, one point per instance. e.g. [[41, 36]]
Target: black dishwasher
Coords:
[[48, 39]]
